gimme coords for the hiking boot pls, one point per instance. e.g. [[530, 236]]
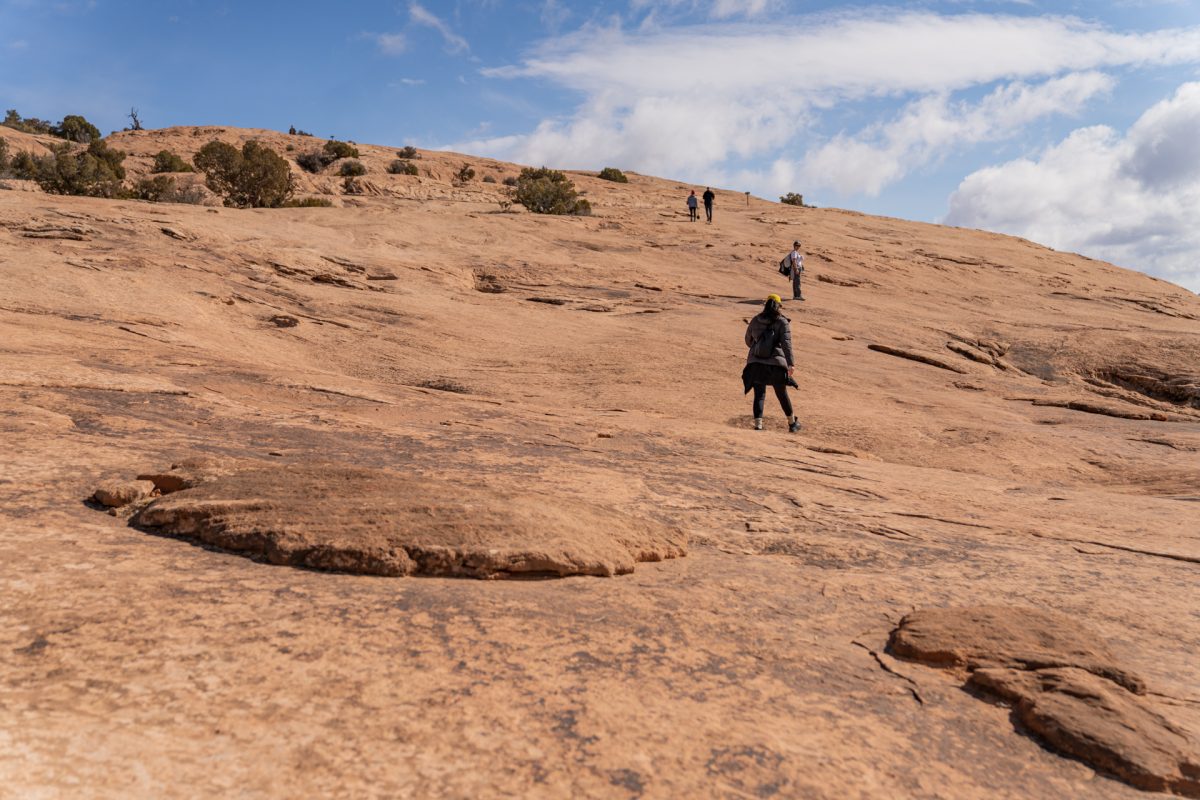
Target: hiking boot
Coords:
[[758, 423], [797, 297], [794, 425]]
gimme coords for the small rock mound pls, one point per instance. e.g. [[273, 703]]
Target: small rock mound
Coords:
[[1001, 636], [366, 521], [115, 494], [1065, 687]]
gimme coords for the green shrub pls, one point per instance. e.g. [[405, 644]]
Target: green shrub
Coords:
[[548, 191], [350, 169], [792, 199], [489, 179], [465, 174], [75, 128], [613, 174], [157, 189], [23, 166], [3, 156], [313, 161], [166, 161], [254, 177], [510, 181], [336, 150], [289, 147], [408, 152], [96, 171], [29, 125], [309, 202], [402, 167]]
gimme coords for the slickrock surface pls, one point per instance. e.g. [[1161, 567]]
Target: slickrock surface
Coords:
[[415, 331], [371, 522]]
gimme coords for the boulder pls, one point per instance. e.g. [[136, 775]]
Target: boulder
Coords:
[[115, 494]]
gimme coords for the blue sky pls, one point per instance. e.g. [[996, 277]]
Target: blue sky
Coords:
[[1074, 124]]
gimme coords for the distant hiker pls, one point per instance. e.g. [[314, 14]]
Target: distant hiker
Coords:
[[770, 362], [794, 262], [708, 201], [692, 204]]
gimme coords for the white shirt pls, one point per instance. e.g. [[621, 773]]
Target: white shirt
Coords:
[[797, 260]]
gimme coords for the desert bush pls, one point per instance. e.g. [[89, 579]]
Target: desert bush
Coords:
[[312, 161], [350, 185], [157, 189], [166, 161], [613, 174], [505, 205], [308, 202], [350, 169], [465, 174], [28, 125], [489, 179], [254, 177], [402, 167], [548, 191], [510, 180], [3, 156], [792, 199], [289, 147], [408, 152], [335, 150], [23, 166], [96, 171], [75, 128]]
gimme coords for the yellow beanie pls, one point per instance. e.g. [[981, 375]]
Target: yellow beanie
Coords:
[[776, 298]]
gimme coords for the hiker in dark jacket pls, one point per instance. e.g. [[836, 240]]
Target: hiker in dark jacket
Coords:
[[708, 202], [774, 370]]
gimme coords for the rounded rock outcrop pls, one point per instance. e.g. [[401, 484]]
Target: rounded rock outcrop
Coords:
[[367, 521]]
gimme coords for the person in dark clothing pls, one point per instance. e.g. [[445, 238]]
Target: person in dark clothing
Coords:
[[774, 370], [708, 201], [691, 204]]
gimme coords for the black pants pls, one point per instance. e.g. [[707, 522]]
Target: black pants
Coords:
[[760, 399], [692, 213], [708, 211]]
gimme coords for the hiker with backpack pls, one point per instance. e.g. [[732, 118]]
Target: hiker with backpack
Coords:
[[792, 266], [770, 362]]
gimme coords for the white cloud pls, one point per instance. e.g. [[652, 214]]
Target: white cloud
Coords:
[[684, 101], [927, 128], [391, 44], [422, 16], [717, 9], [1132, 199]]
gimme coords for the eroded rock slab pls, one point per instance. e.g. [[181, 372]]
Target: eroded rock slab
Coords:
[[374, 522], [1100, 723], [115, 494], [1066, 688], [1002, 636]]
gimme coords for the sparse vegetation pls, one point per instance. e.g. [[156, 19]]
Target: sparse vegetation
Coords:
[[613, 174], [352, 168], [465, 174], [96, 171], [3, 156], [75, 128], [408, 152], [402, 167], [23, 166], [312, 161], [510, 180], [548, 191], [157, 189], [350, 185], [489, 179], [254, 177], [309, 202], [166, 161], [792, 199], [28, 124], [336, 150], [135, 121], [505, 206]]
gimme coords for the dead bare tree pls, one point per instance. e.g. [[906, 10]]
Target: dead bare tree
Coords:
[[137, 123]]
